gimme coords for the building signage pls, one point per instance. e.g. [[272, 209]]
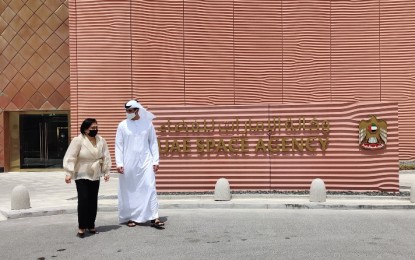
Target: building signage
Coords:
[[275, 135]]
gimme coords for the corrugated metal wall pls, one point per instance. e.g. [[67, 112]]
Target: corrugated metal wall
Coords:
[[171, 52]]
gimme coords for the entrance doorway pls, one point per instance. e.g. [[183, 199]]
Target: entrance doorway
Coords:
[[43, 140]]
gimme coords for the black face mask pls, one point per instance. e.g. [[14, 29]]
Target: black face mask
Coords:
[[93, 133]]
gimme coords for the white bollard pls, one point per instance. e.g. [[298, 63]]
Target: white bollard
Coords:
[[222, 190], [318, 191], [2, 217], [412, 194], [20, 198]]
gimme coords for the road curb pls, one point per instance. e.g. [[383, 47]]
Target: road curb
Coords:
[[33, 212], [282, 206]]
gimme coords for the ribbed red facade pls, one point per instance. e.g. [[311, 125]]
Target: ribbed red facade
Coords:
[[343, 165], [203, 53]]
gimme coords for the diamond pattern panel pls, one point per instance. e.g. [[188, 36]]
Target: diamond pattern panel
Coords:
[[26, 32], [64, 89], [3, 6], [4, 81], [35, 22], [46, 89], [17, 42], [8, 14], [10, 91], [28, 90], [17, 23], [34, 56], [25, 13], [19, 81], [43, 12], [27, 71], [34, 4], [16, 5], [9, 52], [3, 25], [18, 62], [10, 72]]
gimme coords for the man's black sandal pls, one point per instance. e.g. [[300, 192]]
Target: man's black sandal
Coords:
[[131, 223], [157, 224]]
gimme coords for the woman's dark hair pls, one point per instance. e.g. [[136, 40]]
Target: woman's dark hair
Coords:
[[87, 124]]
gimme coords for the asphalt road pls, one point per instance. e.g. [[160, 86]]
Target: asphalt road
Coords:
[[219, 234]]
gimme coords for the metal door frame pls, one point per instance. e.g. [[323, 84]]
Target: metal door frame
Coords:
[[14, 145]]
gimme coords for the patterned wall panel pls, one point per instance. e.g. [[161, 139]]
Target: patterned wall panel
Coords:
[[34, 59], [102, 62], [35, 55], [258, 51], [397, 55], [355, 66], [306, 50], [157, 51], [72, 11], [208, 52]]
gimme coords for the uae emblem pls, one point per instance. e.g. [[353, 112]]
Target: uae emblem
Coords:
[[373, 133]]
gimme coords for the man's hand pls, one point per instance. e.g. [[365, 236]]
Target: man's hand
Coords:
[[68, 179], [155, 168], [120, 170], [106, 177]]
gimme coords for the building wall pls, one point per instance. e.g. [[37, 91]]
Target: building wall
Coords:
[[201, 55], [175, 52], [34, 59]]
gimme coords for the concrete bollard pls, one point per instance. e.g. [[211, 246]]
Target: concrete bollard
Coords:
[[318, 191], [412, 194], [222, 190], [20, 198]]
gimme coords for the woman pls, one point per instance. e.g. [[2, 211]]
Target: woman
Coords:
[[85, 161]]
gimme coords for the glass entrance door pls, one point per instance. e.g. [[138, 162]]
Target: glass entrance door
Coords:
[[43, 140]]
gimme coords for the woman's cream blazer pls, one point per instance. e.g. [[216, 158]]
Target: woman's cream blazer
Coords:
[[86, 161]]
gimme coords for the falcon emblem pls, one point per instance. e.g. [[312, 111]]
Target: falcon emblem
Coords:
[[373, 133]]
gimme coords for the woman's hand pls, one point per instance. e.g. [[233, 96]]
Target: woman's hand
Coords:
[[68, 179], [106, 177], [155, 168]]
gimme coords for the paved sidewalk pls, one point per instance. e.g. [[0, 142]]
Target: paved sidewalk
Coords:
[[50, 195]]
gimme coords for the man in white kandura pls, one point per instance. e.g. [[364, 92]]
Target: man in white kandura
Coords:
[[137, 158]]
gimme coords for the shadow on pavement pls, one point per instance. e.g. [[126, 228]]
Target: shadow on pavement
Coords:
[[103, 229]]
